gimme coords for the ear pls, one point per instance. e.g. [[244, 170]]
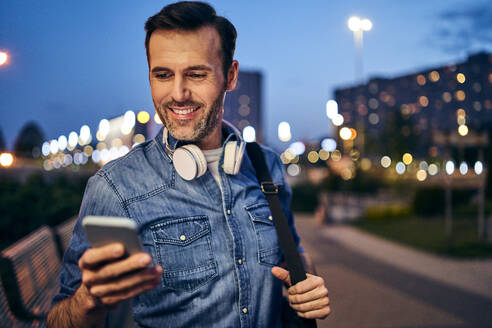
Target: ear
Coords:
[[232, 75]]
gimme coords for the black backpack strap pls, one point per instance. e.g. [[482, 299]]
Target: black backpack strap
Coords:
[[284, 234]]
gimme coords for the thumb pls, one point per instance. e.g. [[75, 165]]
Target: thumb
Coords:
[[282, 274]]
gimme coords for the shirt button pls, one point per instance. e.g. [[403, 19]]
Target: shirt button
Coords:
[[240, 261], [229, 212], [245, 310], [182, 237], [270, 218]]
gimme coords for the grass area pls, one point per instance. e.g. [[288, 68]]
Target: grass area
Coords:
[[429, 235]]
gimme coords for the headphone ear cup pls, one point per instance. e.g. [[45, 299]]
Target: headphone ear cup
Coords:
[[230, 157], [189, 162], [239, 157]]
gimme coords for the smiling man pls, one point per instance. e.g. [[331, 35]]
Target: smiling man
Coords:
[[211, 255]]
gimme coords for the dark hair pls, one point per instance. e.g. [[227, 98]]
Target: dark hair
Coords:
[[192, 15]]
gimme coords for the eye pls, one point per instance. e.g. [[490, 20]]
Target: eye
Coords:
[[163, 75], [197, 76]]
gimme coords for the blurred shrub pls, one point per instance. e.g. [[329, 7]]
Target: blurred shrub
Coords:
[[26, 206], [387, 212], [304, 198], [431, 201]]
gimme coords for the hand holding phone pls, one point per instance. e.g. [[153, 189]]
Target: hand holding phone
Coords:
[[104, 230], [112, 273]]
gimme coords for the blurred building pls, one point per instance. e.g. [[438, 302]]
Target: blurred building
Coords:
[[243, 106], [412, 113]]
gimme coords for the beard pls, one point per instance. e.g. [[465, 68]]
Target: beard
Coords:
[[202, 128]]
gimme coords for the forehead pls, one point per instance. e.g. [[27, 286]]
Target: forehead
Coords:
[[180, 47]]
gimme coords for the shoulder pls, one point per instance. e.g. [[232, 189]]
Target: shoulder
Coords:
[[144, 169]]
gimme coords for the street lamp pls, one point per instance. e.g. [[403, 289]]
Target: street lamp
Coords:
[[3, 57], [358, 26]]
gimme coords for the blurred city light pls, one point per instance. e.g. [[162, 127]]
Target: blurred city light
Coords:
[[385, 161], [293, 170], [73, 139], [157, 119], [329, 144], [313, 156], [284, 133], [478, 167], [3, 57], [407, 158], [337, 120], [45, 148], [331, 109], [62, 142], [421, 175], [463, 130], [353, 134], [400, 168], [460, 77], [449, 167], [324, 155], [423, 165], [356, 24], [365, 164], [85, 135], [336, 155], [104, 127], [143, 117], [6, 159], [345, 133], [249, 134], [54, 146], [298, 148], [433, 169], [463, 168]]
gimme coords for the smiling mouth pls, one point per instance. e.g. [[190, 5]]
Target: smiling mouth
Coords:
[[184, 111]]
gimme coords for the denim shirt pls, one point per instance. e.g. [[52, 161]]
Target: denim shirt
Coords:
[[219, 273]]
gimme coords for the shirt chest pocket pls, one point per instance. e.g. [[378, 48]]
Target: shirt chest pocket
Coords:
[[266, 236], [184, 250]]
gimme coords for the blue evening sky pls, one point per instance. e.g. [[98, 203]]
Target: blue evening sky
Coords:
[[76, 62]]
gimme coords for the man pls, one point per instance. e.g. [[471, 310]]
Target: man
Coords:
[[212, 257]]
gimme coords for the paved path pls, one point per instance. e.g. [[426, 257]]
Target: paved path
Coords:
[[376, 283]]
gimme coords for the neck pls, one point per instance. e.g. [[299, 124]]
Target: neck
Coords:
[[213, 140]]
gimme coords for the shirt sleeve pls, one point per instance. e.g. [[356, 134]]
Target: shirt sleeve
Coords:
[[99, 199]]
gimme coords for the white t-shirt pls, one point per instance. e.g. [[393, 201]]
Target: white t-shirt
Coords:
[[213, 156]]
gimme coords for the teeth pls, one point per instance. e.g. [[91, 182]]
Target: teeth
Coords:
[[183, 112]]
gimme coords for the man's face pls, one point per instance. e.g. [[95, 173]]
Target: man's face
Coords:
[[187, 83]]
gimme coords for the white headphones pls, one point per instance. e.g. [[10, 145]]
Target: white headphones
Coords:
[[190, 163]]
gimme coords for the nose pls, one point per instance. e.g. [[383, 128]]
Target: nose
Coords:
[[180, 90]]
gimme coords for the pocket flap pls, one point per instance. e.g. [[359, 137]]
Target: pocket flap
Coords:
[[260, 213], [181, 231]]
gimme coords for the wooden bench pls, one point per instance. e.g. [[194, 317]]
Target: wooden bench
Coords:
[[63, 234], [29, 272], [7, 318]]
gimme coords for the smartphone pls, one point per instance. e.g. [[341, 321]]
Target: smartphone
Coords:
[[103, 230]]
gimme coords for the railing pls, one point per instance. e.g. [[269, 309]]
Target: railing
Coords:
[[29, 275]]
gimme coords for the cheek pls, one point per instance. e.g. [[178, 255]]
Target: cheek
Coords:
[[159, 94]]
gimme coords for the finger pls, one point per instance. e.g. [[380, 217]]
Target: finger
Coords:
[[115, 298], [316, 314], [126, 282], [116, 269], [317, 304], [282, 274], [96, 256], [306, 285], [317, 293]]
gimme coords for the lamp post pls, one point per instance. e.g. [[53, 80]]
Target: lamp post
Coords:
[[358, 26]]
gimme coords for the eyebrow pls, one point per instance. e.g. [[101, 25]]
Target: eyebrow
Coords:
[[191, 68]]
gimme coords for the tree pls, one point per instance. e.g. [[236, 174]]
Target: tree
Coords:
[[29, 138]]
